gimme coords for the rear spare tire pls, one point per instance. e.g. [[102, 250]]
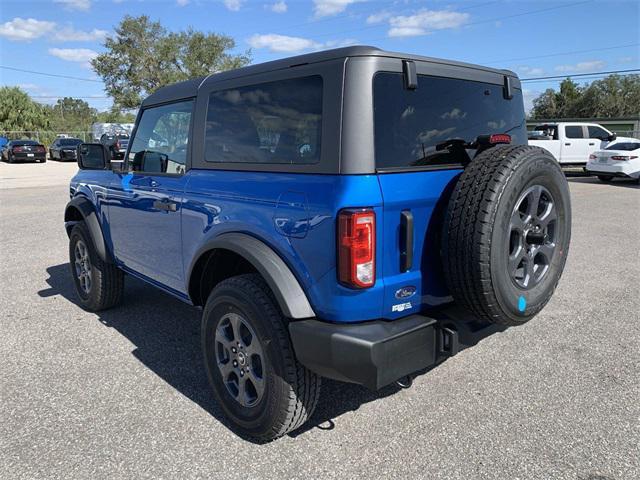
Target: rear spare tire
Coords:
[[506, 233]]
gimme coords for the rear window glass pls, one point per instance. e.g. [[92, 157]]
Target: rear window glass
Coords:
[[24, 142], [628, 146], [410, 123], [276, 122], [66, 142]]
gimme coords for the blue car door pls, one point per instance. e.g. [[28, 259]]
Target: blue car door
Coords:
[[145, 204]]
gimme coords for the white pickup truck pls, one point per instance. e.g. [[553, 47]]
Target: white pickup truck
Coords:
[[571, 143]]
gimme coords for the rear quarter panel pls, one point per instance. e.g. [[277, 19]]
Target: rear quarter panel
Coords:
[[295, 214]]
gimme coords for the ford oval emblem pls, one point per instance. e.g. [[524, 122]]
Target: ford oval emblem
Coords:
[[405, 292]]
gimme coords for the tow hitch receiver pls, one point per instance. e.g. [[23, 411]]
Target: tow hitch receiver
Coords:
[[448, 344]]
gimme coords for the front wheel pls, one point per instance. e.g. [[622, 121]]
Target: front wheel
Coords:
[[250, 363], [605, 178], [99, 284]]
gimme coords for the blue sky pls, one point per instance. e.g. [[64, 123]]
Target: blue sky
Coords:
[[534, 38]]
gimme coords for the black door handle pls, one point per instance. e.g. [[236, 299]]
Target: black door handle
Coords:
[[567, 144], [406, 240], [165, 205], [592, 144]]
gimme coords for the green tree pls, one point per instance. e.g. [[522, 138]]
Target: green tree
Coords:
[[545, 106], [72, 115], [115, 115], [612, 96], [143, 56], [19, 113]]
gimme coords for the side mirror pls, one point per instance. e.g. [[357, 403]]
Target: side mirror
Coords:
[[93, 156], [612, 137]]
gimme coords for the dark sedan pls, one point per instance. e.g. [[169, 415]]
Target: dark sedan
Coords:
[[24, 151], [64, 149]]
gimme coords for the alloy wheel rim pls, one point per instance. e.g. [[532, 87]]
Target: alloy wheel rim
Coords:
[[532, 237], [83, 266], [240, 359]]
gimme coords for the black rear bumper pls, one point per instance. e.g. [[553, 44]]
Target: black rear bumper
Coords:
[[373, 354]]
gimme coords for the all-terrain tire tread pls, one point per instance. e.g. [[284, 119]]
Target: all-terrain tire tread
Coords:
[[305, 385], [468, 228]]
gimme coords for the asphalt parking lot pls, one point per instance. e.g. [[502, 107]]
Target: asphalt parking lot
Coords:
[[123, 393]]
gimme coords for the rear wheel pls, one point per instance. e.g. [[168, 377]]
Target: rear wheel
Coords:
[[249, 359], [605, 178], [506, 233]]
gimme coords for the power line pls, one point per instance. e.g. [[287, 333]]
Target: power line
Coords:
[[50, 74], [563, 53], [505, 17], [598, 74], [95, 97], [362, 13]]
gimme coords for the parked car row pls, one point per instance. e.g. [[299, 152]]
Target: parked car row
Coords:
[[62, 149], [599, 151]]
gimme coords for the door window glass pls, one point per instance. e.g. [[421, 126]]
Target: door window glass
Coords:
[[598, 132], [574, 132], [161, 139]]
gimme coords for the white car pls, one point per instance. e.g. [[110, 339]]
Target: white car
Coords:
[[620, 159]]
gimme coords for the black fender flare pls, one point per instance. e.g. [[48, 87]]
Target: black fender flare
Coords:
[[284, 285], [88, 212]]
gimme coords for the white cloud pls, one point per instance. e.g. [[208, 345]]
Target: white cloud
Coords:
[[25, 29], [233, 5], [581, 67], [284, 43], [279, 7], [530, 71], [378, 17], [626, 59], [68, 34], [425, 21], [182, 3], [78, 55], [326, 8], [83, 5]]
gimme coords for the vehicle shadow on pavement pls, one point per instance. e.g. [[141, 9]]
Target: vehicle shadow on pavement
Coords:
[[618, 182], [166, 335]]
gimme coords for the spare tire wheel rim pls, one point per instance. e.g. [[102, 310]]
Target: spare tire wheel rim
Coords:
[[532, 237], [240, 359]]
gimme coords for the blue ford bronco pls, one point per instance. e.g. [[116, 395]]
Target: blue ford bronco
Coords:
[[319, 209]]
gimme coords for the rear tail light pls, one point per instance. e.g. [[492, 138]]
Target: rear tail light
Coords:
[[117, 145], [357, 248], [592, 157], [17, 149], [40, 149], [623, 157]]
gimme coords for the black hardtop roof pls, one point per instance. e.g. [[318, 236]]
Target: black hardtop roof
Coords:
[[190, 88]]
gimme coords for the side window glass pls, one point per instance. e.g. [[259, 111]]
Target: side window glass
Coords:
[[161, 140], [269, 123], [574, 131], [598, 132]]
